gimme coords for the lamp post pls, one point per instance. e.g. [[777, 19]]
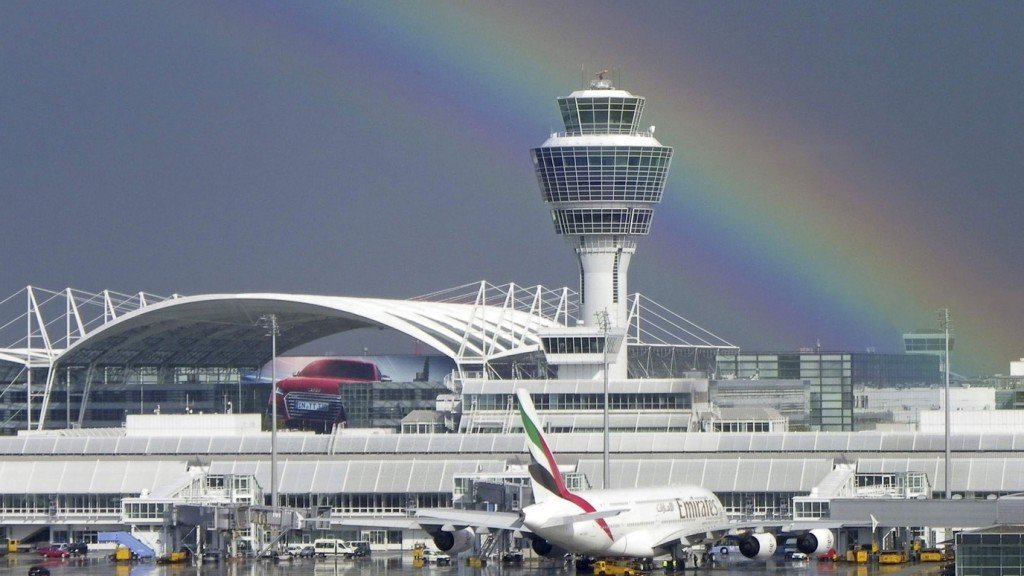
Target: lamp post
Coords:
[[269, 322], [944, 321]]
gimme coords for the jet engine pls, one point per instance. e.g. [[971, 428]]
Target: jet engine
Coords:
[[454, 542], [815, 542], [758, 546], [546, 549]]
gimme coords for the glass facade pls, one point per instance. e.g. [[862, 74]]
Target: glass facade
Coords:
[[58, 507], [596, 173], [995, 552], [762, 505], [573, 345], [830, 377], [926, 341], [576, 222], [117, 392], [384, 404], [576, 402], [601, 115], [896, 370]]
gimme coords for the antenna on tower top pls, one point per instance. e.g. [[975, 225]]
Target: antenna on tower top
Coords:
[[601, 82]]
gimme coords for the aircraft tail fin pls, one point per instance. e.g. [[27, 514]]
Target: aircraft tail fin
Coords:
[[544, 475]]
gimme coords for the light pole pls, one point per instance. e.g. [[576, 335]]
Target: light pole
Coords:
[[944, 321], [269, 322]]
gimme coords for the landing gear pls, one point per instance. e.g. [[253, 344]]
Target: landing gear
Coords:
[[678, 560]]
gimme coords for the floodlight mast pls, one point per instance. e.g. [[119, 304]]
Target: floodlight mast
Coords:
[[944, 320], [269, 322]]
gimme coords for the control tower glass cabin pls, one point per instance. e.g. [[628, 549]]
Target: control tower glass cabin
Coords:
[[602, 178]]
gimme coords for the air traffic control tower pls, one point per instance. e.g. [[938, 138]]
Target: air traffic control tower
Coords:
[[602, 178]]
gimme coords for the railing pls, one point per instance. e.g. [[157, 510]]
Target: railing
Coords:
[[641, 133]]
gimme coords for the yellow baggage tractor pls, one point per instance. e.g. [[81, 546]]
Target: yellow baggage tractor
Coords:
[[933, 555], [892, 557]]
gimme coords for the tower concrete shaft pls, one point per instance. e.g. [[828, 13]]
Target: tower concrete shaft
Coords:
[[602, 178]]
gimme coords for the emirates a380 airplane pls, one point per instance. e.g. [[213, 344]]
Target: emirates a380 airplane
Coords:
[[637, 522]]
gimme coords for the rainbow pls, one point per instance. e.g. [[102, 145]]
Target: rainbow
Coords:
[[779, 245]]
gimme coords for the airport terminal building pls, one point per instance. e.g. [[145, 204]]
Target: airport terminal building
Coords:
[[148, 414]]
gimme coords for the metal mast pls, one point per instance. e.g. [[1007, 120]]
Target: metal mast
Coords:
[[269, 322], [945, 360]]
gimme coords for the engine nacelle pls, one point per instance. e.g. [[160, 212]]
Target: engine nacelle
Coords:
[[758, 546], [546, 549], [454, 542], [816, 542]]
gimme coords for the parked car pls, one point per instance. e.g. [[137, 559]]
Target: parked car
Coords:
[[307, 551], [212, 555], [512, 557], [362, 548], [38, 571], [270, 554], [434, 557], [55, 551]]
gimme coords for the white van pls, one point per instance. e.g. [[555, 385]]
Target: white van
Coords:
[[325, 547]]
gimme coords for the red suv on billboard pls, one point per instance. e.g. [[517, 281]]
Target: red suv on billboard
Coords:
[[310, 399]]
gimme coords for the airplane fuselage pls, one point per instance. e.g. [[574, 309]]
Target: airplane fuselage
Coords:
[[649, 518]]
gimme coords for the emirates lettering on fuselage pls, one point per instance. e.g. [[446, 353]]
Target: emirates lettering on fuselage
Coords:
[[698, 508]]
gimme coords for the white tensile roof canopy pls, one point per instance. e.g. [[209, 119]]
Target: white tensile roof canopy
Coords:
[[226, 329]]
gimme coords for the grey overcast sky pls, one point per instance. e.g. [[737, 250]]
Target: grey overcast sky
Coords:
[[841, 171]]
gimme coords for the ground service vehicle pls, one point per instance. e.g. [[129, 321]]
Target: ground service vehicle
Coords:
[[178, 557], [325, 547], [309, 400], [935, 555], [434, 557], [892, 557], [615, 568], [830, 556]]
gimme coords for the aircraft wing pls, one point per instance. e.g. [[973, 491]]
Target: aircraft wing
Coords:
[[396, 523], [470, 518], [447, 518]]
